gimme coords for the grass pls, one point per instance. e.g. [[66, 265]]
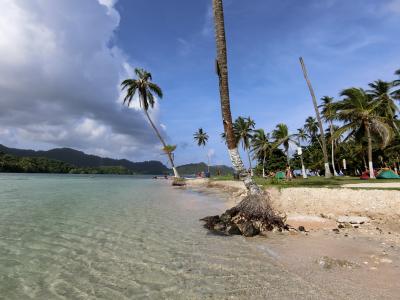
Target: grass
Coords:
[[313, 182]]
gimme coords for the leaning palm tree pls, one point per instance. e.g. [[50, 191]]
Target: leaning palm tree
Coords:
[[147, 90], [255, 211], [261, 146], [358, 111], [243, 129], [283, 138], [329, 114], [328, 173], [302, 136], [201, 137]]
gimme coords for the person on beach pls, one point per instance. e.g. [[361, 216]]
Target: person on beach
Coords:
[[288, 173]]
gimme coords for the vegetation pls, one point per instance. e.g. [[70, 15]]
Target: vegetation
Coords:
[[84, 161], [14, 164], [145, 88]]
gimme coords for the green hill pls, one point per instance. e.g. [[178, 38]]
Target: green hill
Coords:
[[192, 169], [79, 159]]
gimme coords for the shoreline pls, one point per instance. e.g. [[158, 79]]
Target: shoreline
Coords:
[[359, 261]]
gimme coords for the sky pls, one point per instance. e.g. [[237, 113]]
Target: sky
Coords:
[[61, 63]]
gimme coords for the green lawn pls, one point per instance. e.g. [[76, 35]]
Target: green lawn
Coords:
[[312, 182]]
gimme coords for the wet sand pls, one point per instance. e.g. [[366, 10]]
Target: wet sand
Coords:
[[355, 262]]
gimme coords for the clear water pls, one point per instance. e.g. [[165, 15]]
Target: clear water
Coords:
[[105, 237]]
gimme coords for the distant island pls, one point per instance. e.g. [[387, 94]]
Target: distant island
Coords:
[[70, 161]]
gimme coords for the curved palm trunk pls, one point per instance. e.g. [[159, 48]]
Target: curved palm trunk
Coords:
[[171, 160], [333, 150], [328, 173], [222, 71], [370, 163]]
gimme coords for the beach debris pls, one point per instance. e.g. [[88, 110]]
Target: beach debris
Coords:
[[179, 181], [328, 263], [354, 220], [301, 228], [336, 230]]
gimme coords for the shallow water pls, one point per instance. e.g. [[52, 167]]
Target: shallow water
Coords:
[[111, 237]]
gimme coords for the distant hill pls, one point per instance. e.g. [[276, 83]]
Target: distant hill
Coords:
[[191, 169], [83, 160]]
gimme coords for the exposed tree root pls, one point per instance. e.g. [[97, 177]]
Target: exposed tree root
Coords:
[[252, 216]]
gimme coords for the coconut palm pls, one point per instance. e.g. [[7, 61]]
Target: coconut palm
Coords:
[[201, 137], [380, 92], [302, 136], [243, 129], [329, 114], [311, 128], [358, 111], [396, 83], [261, 146], [283, 138], [146, 90], [256, 206], [317, 114]]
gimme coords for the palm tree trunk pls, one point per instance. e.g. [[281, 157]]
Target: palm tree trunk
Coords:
[[171, 160], [303, 169], [263, 171], [222, 71], [251, 167], [333, 150], [328, 173], [370, 163]]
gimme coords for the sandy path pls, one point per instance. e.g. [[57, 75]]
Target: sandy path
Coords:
[[374, 185]]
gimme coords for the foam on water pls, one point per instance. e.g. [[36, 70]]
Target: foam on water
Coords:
[[110, 237]]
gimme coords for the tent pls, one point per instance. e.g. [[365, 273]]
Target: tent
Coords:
[[388, 174], [280, 175]]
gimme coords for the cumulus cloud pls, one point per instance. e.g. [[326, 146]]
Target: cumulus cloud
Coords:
[[59, 79]]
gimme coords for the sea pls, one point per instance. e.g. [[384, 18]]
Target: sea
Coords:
[[127, 237]]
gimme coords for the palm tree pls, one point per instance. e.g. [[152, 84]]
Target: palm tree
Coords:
[[261, 146], [302, 136], [256, 206], [201, 137], [328, 173], [380, 92], [282, 137], [311, 128], [396, 83], [243, 129], [358, 111], [144, 87], [329, 114]]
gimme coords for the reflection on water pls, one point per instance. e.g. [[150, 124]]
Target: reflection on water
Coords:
[[105, 237]]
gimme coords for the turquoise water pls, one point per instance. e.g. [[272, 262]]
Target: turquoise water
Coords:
[[110, 237]]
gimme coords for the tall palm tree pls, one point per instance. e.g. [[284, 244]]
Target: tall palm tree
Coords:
[[380, 92], [261, 146], [358, 111], [147, 90], [243, 129], [201, 137], [282, 137], [302, 136], [328, 173], [222, 71], [329, 114]]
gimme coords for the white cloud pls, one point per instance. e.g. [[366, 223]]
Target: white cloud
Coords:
[[59, 79]]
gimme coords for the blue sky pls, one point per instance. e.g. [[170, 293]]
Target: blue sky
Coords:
[[344, 43]]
